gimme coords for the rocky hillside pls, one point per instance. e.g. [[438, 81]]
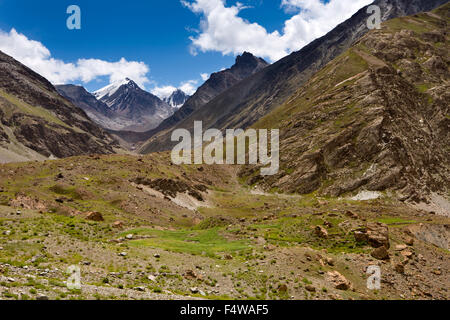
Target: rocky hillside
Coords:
[[37, 123], [96, 110], [244, 104], [376, 118], [245, 66]]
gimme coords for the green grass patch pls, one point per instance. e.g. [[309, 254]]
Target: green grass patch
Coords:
[[199, 242]]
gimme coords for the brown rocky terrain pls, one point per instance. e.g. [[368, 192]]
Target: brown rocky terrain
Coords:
[[376, 118], [124, 221]]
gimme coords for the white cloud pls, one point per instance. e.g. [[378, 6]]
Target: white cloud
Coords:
[[36, 56], [204, 76], [189, 87], [221, 28], [164, 91]]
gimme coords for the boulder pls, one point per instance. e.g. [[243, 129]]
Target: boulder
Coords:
[[378, 235], [283, 288], [94, 216], [380, 253], [321, 232], [118, 225], [338, 280]]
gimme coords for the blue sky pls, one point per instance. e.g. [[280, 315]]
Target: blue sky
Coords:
[[177, 42]]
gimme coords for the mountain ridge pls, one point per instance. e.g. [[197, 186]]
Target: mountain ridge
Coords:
[[36, 122], [242, 105]]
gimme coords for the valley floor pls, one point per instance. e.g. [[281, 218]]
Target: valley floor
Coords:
[[140, 228]]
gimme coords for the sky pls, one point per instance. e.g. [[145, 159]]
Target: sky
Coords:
[[161, 45]]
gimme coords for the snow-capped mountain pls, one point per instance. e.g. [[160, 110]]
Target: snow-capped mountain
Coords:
[[134, 109], [177, 99], [109, 90]]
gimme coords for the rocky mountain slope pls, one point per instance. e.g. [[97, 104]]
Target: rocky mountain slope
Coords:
[[133, 109], [244, 104], [177, 99], [96, 110], [245, 65], [37, 123], [376, 118]]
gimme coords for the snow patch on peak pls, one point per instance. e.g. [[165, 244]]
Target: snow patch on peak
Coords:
[[112, 88]]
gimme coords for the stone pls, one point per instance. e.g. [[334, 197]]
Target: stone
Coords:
[[409, 241], [228, 257], [157, 255], [194, 290], [118, 225], [378, 235], [141, 289], [321, 232], [380, 253], [190, 275], [123, 254], [330, 261], [151, 278], [400, 247], [129, 237], [407, 254], [400, 268], [361, 236], [338, 280], [42, 298], [310, 288], [94, 216], [437, 272], [283, 288], [351, 215]]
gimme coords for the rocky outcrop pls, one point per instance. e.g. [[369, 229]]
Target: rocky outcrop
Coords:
[[245, 66], [376, 118]]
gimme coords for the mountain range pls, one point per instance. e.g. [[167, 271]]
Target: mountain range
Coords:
[[242, 105], [122, 105], [362, 187], [255, 93]]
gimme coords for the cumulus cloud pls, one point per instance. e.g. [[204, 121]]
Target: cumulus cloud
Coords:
[[189, 87], [204, 76], [36, 56], [164, 91], [221, 28]]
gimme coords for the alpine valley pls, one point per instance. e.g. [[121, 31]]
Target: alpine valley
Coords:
[[86, 178]]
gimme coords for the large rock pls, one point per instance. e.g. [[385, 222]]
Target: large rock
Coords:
[[378, 235], [94, 216], [380, 253], [338, 280], [321, 232]]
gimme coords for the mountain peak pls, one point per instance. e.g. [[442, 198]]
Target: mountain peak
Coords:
[[248, 60], [112, 88], [177, 99]]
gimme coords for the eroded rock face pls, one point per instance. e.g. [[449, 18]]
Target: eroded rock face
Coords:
[[171, 188], [375, 118]]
